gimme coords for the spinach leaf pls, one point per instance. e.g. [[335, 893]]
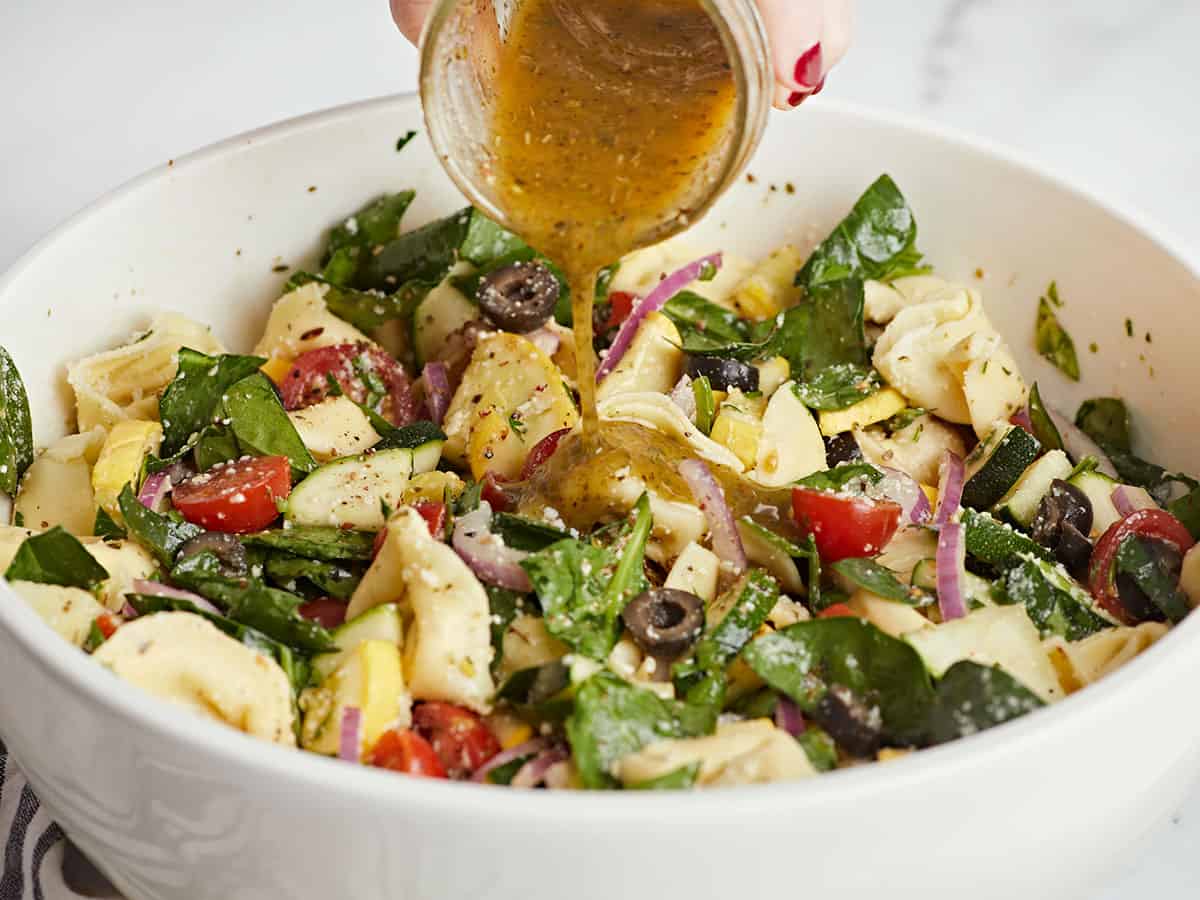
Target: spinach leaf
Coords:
[[1044, 428], [160, 534], [846, 477], [680, 779], [838, 386], [693, 314], [809, 659], [329, 578], [1055, 604], [733, 619], [877, 240], [351, 243], [316, 542], [104, 526], [571, 579], [971, 698], [16, 426], [56, 557], [425, 254], [1106, 421], [215, 445], [192, 399], [613, 718], [250, 602], [1138, 560], [835, 333], [584, 588], [261, 425], [408, 437], [485, 241], [504, 605], [541, 692], [522, 533], [1187, 510], [867, 573], [1053, 342], [366, 310]]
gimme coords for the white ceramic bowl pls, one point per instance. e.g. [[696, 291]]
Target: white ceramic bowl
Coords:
[[177, 808]]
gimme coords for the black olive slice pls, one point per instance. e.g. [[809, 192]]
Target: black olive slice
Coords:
[[518, 298], [724, 374], [234, 563], [1064, 504], [1073, 549], [841, 448], [665, 622]]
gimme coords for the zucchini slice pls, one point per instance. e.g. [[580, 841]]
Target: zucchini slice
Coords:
[[991, 541], [382, 623], [996, 465], [1021, 502]]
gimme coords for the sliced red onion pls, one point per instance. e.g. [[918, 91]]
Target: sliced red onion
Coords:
[[350, 734], [529, 748], [951, 474], [951, 563], [545, 340], [155, 489], [1078, 445], [652, 302], [684, 397], [726, 540], [1021, 418], [437, 390], [1121, 501], [904, 489], [128, 612], [534, 772], [788, 716], [158, 589], [486, 554]]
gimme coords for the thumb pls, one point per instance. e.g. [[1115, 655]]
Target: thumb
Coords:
[[410, 16]]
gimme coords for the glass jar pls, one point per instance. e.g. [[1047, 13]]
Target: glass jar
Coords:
[[459, 59]]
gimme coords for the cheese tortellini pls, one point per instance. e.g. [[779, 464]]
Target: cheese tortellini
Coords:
[[942, 352]]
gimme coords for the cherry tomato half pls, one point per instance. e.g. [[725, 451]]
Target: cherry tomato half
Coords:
[[434, 515], [620, 305], [325, 611], [542, 451], [836, 611], [494, 493], [363, 372], [1155, 524], [403, 750], [845, 527], [236, 497], [460, 739], [107, 625]]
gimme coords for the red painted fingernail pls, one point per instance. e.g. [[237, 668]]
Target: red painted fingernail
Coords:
[[820, 87], [808, 66], [796, 98]]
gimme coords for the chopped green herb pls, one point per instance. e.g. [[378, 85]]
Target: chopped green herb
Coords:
[[404, 140], [1054, 343], [16, 426]]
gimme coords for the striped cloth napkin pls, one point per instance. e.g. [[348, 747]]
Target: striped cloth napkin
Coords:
[[39, 863]]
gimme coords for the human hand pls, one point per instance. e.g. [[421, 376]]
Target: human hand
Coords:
[[808, 37]]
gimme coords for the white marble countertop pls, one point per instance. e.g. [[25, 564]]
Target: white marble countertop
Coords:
[[1103, 90]]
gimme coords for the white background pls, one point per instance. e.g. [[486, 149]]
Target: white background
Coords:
[[92, 92]]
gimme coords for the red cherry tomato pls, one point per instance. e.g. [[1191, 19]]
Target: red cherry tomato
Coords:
[[542, 451], [107, 625], [459, 737], [836, 611], [403, 750], [325, 611], [236, 497], [494, 494], [361, 370], [434, 515], [620, 305], [1155, 524], [845, 527]]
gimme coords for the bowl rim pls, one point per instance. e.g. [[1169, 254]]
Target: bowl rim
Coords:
[[55, 658]]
